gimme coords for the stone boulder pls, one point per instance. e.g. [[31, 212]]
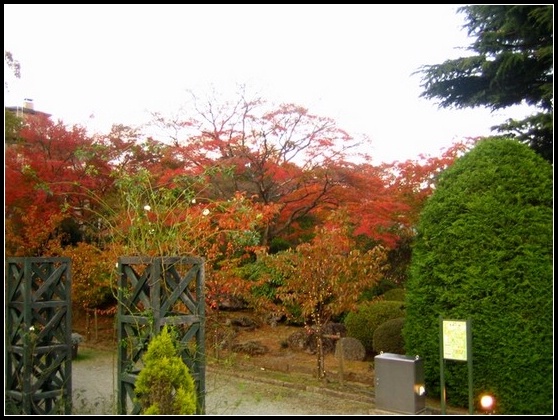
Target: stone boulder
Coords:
[[230, 303], [352, 349], [331, 328], [298, 341], [274, 318], [251, 347], [244, 323], [305, 340]]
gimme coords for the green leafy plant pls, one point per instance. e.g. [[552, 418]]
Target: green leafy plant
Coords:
[[362, 323], [165, 385], [397, 295], [484, 251], [388, 337]]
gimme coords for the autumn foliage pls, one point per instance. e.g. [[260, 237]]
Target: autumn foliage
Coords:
[[325, 277], [239, 180]]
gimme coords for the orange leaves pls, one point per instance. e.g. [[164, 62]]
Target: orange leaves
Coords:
[[413, 181], [27, 234], [167, 220], [93, 276], [238, 179], [48, 170], [325, 277], [277, 155], [385, 201]]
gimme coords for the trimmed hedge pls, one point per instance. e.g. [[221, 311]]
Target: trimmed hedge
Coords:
[[362, 323], [388, 337], [484, 252]]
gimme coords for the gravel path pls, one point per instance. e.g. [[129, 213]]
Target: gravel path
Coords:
[[94, 380], [229, 395]]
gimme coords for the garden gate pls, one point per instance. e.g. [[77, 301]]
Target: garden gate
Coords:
[[154, 292], [38, 323]]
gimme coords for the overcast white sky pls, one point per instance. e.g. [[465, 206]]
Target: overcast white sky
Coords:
[[353, 63]]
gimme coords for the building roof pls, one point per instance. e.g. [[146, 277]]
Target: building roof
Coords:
[[26, 110]]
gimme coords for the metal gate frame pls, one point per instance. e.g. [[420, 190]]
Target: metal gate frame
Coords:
[[154, 292], [38, 335]]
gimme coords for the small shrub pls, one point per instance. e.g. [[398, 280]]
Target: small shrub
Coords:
[[388, 337], [362, 323], [165, 385], [377, 290], [396, 294]]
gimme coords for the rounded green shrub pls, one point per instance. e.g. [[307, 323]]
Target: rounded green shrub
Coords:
[[165, 385], [388, 337], [484, 252], [362, 323], [396, 294]]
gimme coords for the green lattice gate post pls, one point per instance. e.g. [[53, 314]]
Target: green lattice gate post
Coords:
[[153, 292], [38, 336]]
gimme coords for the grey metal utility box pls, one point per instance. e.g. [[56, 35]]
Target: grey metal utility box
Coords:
[[399, 383]]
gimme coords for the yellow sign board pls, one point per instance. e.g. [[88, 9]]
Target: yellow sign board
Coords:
[[455, 339]]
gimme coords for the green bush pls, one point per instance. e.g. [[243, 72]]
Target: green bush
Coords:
[[388, 337], [165, 385], [396, 294], [376, 290], [362, 323], [484, 252]]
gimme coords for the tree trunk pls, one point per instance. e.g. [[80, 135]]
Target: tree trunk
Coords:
[[320, 348]]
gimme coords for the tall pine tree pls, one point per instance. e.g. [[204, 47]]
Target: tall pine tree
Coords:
[[511, 64]]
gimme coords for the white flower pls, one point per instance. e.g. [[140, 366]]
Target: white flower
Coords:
[[205, 212], [193, 201], [31, 328], [147, 207]]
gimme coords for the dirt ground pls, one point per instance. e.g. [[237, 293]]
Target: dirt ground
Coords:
[[101, 333], [281, 358], [227, 392], [280, 381]]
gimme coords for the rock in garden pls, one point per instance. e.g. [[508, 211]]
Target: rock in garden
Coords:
[[298, 340], [244, 323], [353, 349], [250, 347], [330, 329]]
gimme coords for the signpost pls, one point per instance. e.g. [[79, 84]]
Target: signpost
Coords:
[[456, 344]]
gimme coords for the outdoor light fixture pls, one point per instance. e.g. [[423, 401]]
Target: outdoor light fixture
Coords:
[[487, 403], [420, 390]]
